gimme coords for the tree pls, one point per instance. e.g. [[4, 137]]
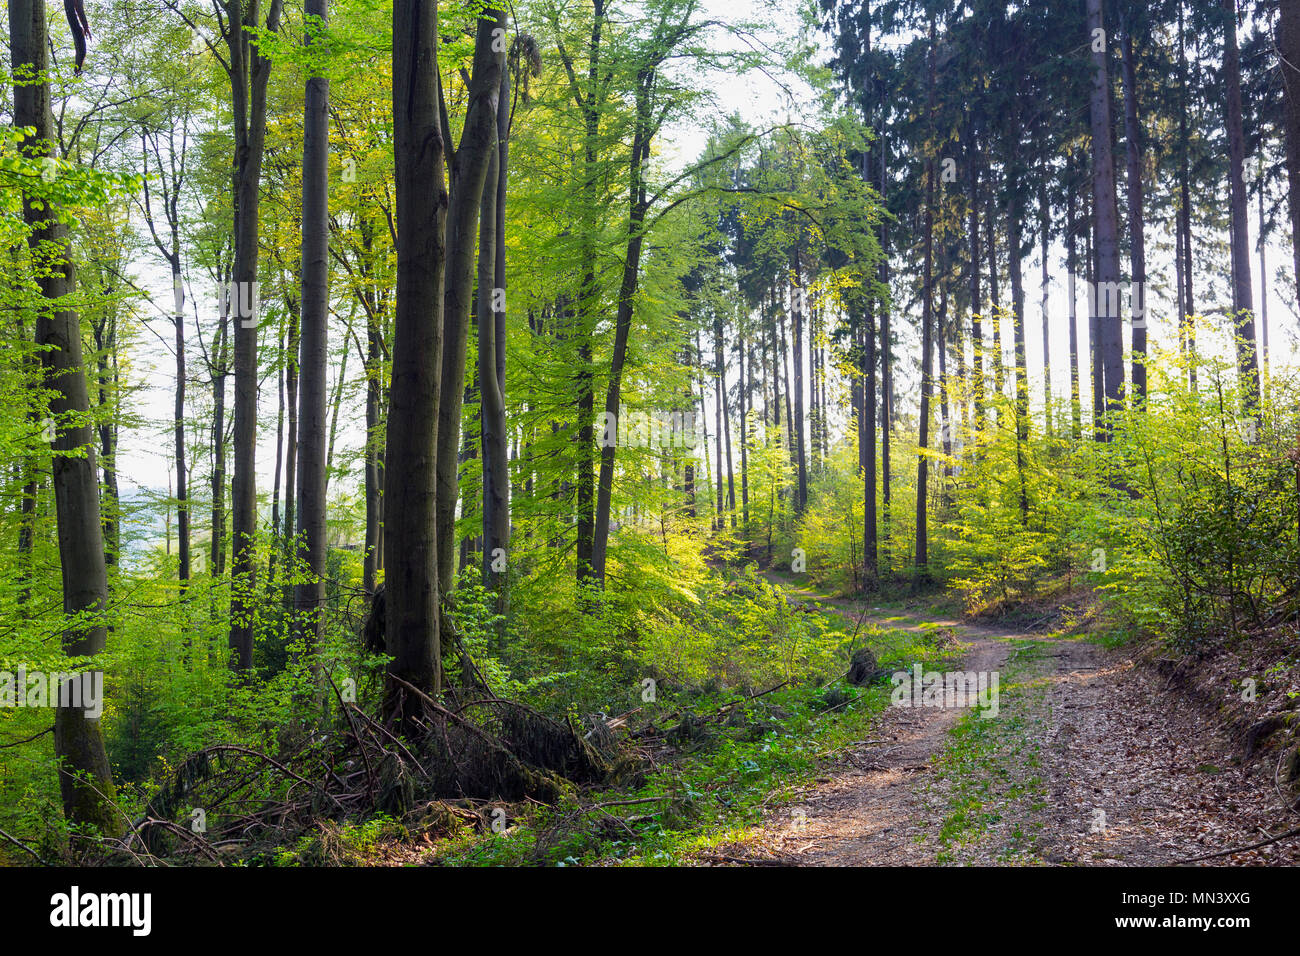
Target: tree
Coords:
[[921, 564], [492, 350], [309, 594], [249, 71], [468, 164], [1137, 235], [1105, 313], [1242, 308], [411, 544], [1288, 53], [85, 781], [158, 140]]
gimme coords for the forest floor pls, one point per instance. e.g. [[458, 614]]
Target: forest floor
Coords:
[[1092, 759]]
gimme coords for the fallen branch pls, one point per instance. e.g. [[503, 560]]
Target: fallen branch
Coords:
[[742, 860], [1242, 849], [624, 803], [23, 846]]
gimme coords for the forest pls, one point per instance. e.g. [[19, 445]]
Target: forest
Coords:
[[650, 433]]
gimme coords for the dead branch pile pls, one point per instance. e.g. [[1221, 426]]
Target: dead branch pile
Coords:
[[229, 800]]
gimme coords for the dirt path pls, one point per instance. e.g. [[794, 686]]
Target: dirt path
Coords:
[[1089, 761]]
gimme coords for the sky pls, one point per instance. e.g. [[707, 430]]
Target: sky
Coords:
[[145, 455]]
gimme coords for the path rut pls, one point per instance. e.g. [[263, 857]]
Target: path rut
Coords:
[[1089, 762]]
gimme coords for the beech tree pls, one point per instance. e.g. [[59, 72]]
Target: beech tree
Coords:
[[85, 780], [311, 477]]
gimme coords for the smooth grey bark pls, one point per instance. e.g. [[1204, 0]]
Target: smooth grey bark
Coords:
[[797, 308], [85, 779], [870, 545], [31, 479], [724, 418], [220, 372], [171, 181], [292, 375], [309, 530], [375, 391], [639, 204], [105, 335], [469, 169], [248, 71], [491, 358], [412, 624], [492, 416]]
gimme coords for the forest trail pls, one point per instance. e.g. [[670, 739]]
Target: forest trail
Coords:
[[1089, 761]]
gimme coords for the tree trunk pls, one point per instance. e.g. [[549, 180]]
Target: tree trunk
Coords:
[[995, 311], [745, 400], [801, 461], [1187, 327], [1020, 370], [726, 418], [688, 467], [249, 73], [85, 780], [411, 552], [1105, 309], [870, 548], [1137, 236], [491, 359], [639, 204], [374, 475], [309, 531], [291, 381], [492, 416], [110, 504], [976, 301], [1072, 271], [927, 346], [469, 170], [1263, 286], [718, 388], [1044, 241], [1288, 48], [278, 532], [31, 477], [178, 416], [220, 372], [1242, 307]]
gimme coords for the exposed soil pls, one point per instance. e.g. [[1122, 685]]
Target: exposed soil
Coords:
[[1091, 760]]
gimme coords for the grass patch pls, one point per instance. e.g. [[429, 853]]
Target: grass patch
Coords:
[[716, 787], [992, 764]]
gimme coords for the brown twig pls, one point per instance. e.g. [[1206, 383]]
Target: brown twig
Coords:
[[24, 847], [1242, 849]]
